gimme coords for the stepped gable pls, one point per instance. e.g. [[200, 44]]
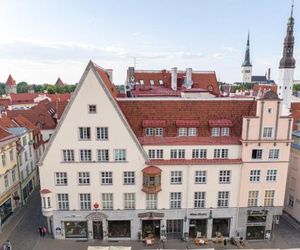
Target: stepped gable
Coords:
[[173, 110]]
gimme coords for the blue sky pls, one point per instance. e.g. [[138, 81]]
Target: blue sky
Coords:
[[41, 40]]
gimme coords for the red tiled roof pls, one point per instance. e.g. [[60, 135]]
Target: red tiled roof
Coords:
[[220, 123], [154, 123], [196, 162], [104, 76], [187, 123], [5, 102], [28, 98], [10, 81], [5, 135], [7, 122], [151, 170], [295, 109], [264, 87], [45, 191]]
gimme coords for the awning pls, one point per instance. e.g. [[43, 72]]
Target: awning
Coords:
[[154, 123], [187, 123]]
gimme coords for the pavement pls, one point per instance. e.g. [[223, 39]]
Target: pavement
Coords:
[[22, 231]]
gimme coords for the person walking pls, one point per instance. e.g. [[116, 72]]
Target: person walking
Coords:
[[44, 231], [41, 231], [8, 245]]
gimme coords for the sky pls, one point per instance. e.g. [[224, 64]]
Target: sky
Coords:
[[41, 40]]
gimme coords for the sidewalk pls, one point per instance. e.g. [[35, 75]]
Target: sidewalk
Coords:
[[291, 221]]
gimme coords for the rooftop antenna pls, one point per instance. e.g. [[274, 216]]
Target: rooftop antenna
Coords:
[[292, 8]]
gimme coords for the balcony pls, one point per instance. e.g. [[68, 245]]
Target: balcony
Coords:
[[151, 180]]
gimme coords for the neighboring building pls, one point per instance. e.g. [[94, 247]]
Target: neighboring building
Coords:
[[59, 82], [9, 175], [10, 85]]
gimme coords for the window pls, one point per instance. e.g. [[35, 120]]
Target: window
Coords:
[[175, 200], [158, 131], [24, 141], [176, 177], [102, 133], [30, 151], [106, 178], [92, 109], [151, 82], [107, 201], [192, 131], [215, 132], [256, 153], [84, 178], [156, 153], [223, 199], [224, 131], [199, 153], [200, 177], [84, 133], [177, 153], [271, 175], [267, 133], [120, 154], [68, 155], [149, 131], [11, 155], [252, 198], [129, 201], [3, 156], [182, 131], [269, 198], [27, 169], [199, 199], [85, 155], [48, 202], [25, 156], [221, 153], [103, 155], [128, 178], [14, 175], [224, 176], [63, 201], [85, 201], [291, 201], [142, 82], [254, 175], [61, 178], [274, 154], [269, 110], [151, 201], [6, 181], [161, 82]]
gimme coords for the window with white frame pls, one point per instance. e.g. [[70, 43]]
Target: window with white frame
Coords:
[[142, 82], [85, 155], [61, 179], [149, 131], [290, 201], [158, 131], [175, 200], [103, 155], [267, 133], [44, 202], [120, 154], [161, 82], [224, 176], [199, 153], [3, 157], [223, 199], [176, 177], [182, 131], [129, 201], [200, 177], [215, 131], [257, 154], [192, 131], [177, 154], [274, 154], [254, 175], [84, 133], [225, 131], [92, 109], [151, 82], [14, 175], [107, 201], [106, 178], [220, 153], [84, 178], [6, 182], [68, 155], [271, 175], [269, 198], [11, 155], [63, 201], [102, 133], [24, 140], [252, 198], [199, 199], [85, 201], [129, 177], [151, 201], [156, 153]]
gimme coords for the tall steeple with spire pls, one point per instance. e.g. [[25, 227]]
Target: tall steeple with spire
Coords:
[[247, 66], [287, 66]]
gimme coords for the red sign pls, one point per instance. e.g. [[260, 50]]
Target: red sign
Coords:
[[96, 205]]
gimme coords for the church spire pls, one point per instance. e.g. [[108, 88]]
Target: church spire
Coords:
[[247, 53], [287, 60]]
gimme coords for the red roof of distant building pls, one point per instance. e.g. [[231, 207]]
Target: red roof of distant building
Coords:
[[5, 135], [264, 88], [104, 76], [5, 102], [10, 81], [28, 98]]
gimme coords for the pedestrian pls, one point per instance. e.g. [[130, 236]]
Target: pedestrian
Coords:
[[8, 245], [225, 242], [44, 231], [41, 231]]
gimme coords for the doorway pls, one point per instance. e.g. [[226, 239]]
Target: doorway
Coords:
[[97, 230], [151, 227]]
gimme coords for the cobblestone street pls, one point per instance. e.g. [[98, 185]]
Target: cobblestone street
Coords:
[[23, 233]]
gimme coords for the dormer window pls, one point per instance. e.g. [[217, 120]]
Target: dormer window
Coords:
[[224, 131], [215, 132], [142, 82], [187, 131], [161, 82], [92, 109], [154, 131], [151, 82]]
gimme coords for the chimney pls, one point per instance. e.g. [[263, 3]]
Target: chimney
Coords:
[[269, 74], [110, 74], [174, 78], [188, 78]]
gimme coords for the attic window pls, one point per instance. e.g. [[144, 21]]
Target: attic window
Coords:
[[92, 109], [142, 82], [161, 82], [151, 82]]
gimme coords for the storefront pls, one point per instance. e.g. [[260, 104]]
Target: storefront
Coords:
[[256, 224], [76, 229], [119, 229], [221, 226], [197, 226], [174, 229], [6, 210]]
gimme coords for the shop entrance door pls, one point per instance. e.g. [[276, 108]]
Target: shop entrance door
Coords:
[[151, 227], [97, 230], [174, 229]]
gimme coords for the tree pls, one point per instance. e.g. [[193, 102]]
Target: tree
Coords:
[[22, 87], [2, 89], [51, 89]]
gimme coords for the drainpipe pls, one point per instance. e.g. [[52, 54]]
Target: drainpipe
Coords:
[[187, 207]]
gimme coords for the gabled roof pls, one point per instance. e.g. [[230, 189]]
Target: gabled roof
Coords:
[[59, 82], [259, 79], [10, 81]]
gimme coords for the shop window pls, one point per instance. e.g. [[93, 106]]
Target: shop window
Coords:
[[119, 229], [221, 227], [76, 229]]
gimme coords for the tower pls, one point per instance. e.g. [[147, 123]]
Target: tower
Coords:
[[247, 66], [10, 85], [287, 67]]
